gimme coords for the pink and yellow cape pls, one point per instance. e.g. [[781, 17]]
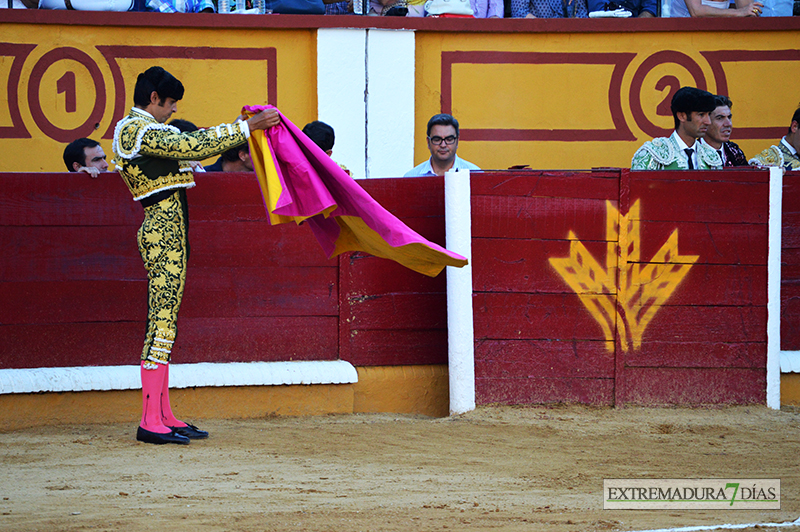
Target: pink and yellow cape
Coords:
[[300, 183]]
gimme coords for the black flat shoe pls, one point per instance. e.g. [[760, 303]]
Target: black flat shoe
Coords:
[[190, 431], [159, 439]]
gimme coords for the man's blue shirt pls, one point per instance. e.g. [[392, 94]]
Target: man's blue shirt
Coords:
[[425, 169]]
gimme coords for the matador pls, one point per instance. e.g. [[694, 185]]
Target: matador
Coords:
[[153, 159]]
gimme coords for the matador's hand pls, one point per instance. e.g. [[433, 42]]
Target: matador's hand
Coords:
[[264, 120]]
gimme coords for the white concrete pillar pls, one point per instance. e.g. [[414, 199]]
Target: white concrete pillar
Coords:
[[460, 333], [774, 288]]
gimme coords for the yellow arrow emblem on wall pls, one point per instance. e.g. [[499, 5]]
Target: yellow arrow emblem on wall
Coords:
[[631, 299]]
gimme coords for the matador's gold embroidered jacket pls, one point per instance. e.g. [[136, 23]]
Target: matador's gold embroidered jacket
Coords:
[[153, 157], [780, 155]]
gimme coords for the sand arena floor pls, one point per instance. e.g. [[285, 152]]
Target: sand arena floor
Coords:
[[495, 469]]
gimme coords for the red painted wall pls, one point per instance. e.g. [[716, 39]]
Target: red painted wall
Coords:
[[73, 291]]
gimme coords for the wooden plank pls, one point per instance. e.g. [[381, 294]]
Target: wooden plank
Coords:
[[408, 198], [270, 291], [536, 183], [688, 200], [790, 316], [791, 192], [505, 265], [66, 199], [210, 292], [698, 354], [713, 243], [71, 344], [257, 339], [396, 347], [729, 175], [790, 232], [712, 284], [670, 386], [790, 264], [47, 302], [398, 311], [523, 266], [100, 252], [543, 391], [232, 196], [533, 317], [368, 275], [541, 218], [713, 324], [247, 244], [199, 340], [70, 253], [507, 359]]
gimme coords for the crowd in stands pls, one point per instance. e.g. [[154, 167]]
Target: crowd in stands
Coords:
[[441, 8]]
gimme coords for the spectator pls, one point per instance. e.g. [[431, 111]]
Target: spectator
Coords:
[[85, 155], [388, 8], [549, 9], [714, 8], [691, 110], [20, 4], [339, 8], [718, 135], [636, 8], [85, 5], [181, 6], [487, 8], [184, 126], [323, 136], [236, 159], [443, 144], [785, 154]]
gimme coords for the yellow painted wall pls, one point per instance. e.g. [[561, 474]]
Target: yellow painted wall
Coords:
[[546, 95], [216, 89], [790, 389], [552, 91]]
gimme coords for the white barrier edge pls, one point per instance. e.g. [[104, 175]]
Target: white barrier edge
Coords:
[[101, 378], [460, 333], [790, 361], [774, 288]]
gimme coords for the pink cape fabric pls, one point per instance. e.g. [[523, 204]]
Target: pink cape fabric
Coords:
[[301, 183]]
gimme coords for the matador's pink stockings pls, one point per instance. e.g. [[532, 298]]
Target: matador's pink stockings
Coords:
[[152, 382], [167, 417]]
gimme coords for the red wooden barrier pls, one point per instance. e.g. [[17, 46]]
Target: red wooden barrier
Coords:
[[584, 292], [790, 263], [693, 331]]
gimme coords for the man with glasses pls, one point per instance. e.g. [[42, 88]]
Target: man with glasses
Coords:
[[443, 144]]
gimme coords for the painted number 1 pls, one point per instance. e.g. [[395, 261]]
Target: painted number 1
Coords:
[[66, 85]]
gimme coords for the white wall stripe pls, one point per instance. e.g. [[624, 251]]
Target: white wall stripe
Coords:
[[341, 85], [391, 59], [88, 378]]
